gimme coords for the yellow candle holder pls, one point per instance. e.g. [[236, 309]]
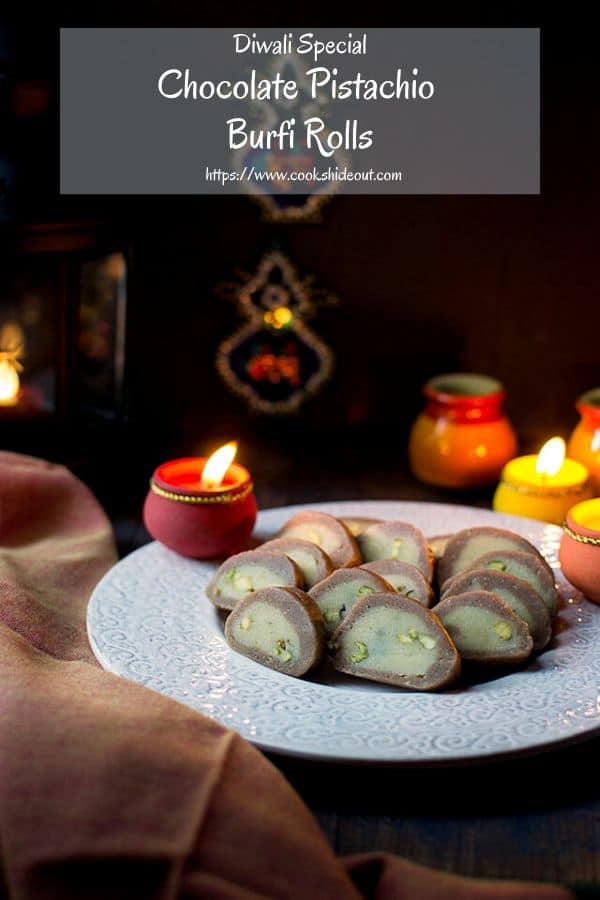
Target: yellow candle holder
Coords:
[[524, 492]]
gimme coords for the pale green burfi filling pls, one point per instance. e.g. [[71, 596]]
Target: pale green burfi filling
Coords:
[[479, 545], [376, 547], [264, 627], [510, 599], [306, 563], [388, 640], [324, 538], [474, 630], [525, 573], [402, 584], [337, 601], [245, 579]]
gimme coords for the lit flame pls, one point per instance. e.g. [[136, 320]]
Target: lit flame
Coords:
[[551, 457], [9, 383], [216, 465]]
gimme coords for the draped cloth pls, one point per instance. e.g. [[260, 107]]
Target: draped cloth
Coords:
[[110, 790]]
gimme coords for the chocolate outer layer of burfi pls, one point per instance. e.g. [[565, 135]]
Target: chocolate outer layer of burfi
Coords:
[[312, 560], [328, 533], [250, 571], [338, 593], [397, 540], [466, 546], [404, 578], [395, 640], [278, 627], [523, 599], [357, 524], [526, 566], [438, 544], [485, 629]]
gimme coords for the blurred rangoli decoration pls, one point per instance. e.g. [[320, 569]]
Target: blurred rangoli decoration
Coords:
[[275, 361], [281, 198]]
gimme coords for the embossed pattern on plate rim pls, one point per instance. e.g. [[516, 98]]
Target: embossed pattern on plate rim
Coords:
[[149, 621]]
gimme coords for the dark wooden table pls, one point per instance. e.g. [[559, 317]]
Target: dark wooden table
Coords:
[[535, 818]]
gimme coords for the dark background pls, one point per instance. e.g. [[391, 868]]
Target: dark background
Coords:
[[504, 285]]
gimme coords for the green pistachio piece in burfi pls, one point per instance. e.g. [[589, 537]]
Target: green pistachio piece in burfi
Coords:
[[362, 652], [404, 577], [250, 571], [287, 632], [282, 649], [485, 629], [406, 643], [467, 546], [397, 541], [504, 630], [520, 595], [336, 594]]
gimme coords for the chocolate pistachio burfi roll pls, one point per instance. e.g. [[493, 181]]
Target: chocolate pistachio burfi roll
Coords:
[[397, 540], [485, 629], [520, 596], [527, 567], [338, 593], [395, 640], [312, 560], [250, 571], [438, 545], [326, 532], [465, 548], [404, 578], [278, 627], [357, 524]]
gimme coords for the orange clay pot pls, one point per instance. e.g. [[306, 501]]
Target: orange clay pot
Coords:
[[579, 552], [584, 443], [462, 438]]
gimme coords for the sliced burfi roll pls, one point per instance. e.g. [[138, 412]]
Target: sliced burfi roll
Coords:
[[326, 532], [404, 578], [338, 593], [465, 548], [520, 596], [438, 545], [278, 627], [357, 524], [397, 540], [485, 629], [250, 571], [527, 567], [395, 640], [312, 560]]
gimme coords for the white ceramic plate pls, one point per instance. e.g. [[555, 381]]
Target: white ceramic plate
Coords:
[[149, 621]]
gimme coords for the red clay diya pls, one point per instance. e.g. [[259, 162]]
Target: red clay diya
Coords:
[[198, 513], [579, 552]]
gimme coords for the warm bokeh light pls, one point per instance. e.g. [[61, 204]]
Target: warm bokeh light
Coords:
[[9, 383], [551, 457], [216, 465], [278, 318]]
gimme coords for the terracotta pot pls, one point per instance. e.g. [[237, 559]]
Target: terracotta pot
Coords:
[[195, 522], [462, 438], [579, 552], [584, 443]]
